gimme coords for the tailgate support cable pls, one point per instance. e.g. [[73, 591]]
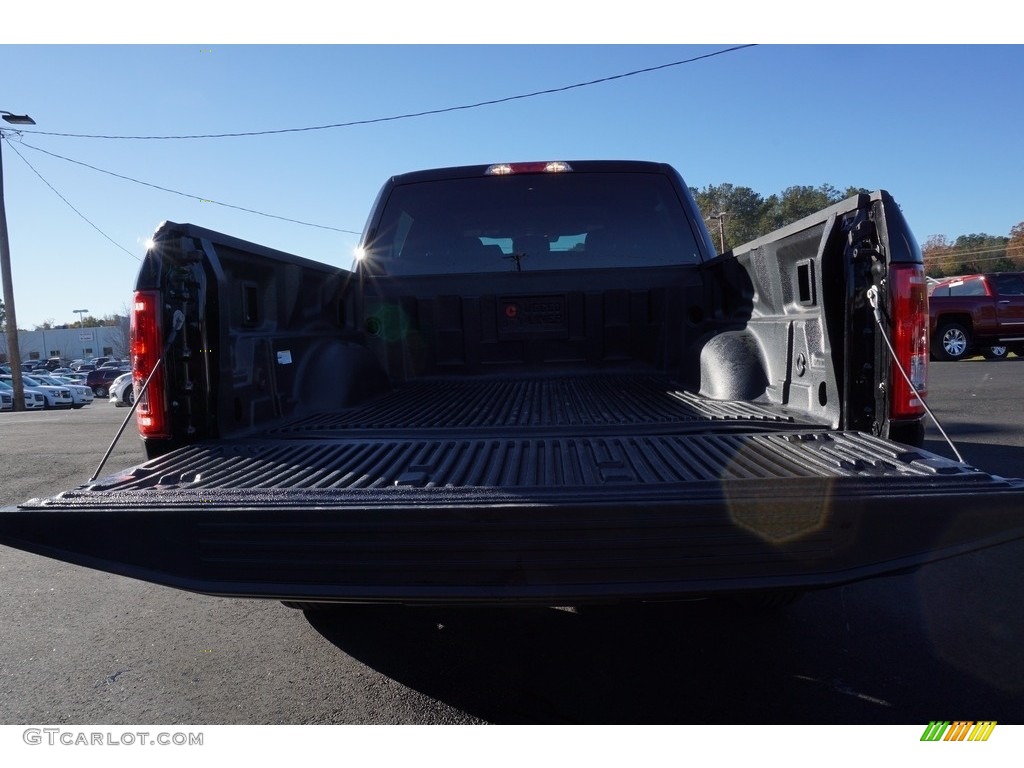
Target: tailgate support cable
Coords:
[[177, 323], [872, 295]]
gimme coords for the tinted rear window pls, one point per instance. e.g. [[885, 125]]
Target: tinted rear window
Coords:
[[532, 222], [972, 287]]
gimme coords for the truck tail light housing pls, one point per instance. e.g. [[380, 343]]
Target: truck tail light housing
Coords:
[[909, 307], [546, 166], [146, 349]]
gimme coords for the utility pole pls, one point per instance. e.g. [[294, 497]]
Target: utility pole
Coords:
[[721, 228], [13, 353]]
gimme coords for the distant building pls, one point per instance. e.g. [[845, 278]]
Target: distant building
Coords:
[[70, 343]]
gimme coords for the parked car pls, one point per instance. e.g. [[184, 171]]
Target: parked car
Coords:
[[101, 378], [6, 400], [122, 391], [53, 396], [81, 395], [34, 401]]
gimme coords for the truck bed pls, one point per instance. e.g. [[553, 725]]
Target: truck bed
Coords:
[[551, 432]]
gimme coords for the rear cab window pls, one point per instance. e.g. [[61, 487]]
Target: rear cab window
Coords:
[[971, 286], [532, 222]]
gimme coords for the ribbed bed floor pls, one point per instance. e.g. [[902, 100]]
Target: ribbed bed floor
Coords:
[[552, 433], [562, 403]]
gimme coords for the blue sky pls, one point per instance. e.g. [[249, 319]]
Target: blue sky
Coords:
[[939, 126]]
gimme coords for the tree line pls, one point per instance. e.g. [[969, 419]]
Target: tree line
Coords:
[[88, 321], [736, 215], [747, 215], [969, 254]]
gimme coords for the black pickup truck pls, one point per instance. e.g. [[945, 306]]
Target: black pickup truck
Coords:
[[536, 383]]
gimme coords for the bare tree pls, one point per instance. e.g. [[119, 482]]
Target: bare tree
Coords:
[[120, 333]]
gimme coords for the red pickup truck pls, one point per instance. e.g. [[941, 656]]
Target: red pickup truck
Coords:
[[977, 314]]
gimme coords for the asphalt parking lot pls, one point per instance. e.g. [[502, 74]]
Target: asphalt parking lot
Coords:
[[45, 452]]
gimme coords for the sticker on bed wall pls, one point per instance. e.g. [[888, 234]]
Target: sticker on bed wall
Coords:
[[284, 357]]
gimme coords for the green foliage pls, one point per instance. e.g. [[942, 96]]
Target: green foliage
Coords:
[[974, 253], [796, 202], [87, 322], [1015, 247], [750, 215], [742, 206]]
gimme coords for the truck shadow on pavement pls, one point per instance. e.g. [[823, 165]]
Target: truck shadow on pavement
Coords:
[[860, 654]]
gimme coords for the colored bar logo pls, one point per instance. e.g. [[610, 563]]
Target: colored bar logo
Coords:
[[959, 730]]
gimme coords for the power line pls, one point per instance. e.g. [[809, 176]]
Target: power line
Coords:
[[66, 201], [1011, 258], [409, 115], [960, 254], [1014, 258], [186, 194]]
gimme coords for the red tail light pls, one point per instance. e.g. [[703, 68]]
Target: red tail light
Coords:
[[146, 348], [910, 339]]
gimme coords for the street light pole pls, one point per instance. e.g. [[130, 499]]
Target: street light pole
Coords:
[[81, 329], [13, 353]]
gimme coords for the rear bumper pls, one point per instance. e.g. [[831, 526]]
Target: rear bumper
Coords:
[[544, 546]]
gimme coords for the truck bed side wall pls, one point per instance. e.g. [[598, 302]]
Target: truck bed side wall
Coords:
[[289, 330], [775, 308], [285, 336]]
